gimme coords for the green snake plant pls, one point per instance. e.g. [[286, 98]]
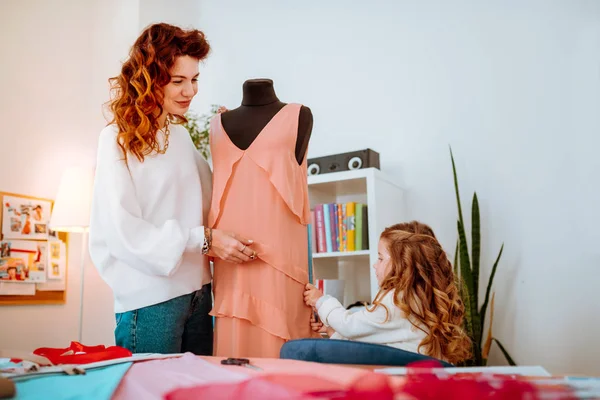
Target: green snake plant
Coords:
[[466, 270]]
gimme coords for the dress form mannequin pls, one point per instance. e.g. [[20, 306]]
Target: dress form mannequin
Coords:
[[260, 190], [259, 106]]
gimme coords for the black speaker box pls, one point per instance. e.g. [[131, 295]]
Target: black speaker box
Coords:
[[343, 162]]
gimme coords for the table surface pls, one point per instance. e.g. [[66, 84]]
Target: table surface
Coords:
[[153, 379]]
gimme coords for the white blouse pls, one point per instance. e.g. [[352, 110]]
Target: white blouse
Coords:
[[378, 327], [146, 228]]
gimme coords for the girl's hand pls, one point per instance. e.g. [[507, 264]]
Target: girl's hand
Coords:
[[318, 326], [221, 110], [311, 295]]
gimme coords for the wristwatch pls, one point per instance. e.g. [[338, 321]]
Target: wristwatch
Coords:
[[207, 241]]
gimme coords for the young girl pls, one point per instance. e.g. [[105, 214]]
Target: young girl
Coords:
[[417, 308]]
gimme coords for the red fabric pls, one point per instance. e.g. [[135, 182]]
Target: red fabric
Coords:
[[371, 386], [423, 384], [77, 353]]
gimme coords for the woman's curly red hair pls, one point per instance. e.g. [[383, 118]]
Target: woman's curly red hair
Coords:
[[425, 289], [137, 98]]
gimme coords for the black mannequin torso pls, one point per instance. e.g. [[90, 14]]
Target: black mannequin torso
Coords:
[[259, 106]]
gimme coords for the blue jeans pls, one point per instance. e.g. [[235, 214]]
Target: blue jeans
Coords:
[[178, 325], [333, 351]]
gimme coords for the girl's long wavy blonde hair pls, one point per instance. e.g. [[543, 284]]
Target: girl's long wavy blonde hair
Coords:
[[425, 290], [137, 92]]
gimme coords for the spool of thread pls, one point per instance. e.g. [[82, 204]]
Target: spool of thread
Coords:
[[7, 389]]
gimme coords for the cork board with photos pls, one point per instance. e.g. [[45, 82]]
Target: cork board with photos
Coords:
[[33, 259]]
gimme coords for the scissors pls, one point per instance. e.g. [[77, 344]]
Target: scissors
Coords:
[[242, 362]]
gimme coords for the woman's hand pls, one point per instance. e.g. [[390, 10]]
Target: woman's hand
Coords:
[[231, 247], [222, 109], [311, 295]]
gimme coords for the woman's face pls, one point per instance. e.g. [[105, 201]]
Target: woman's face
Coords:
[[384, 263], [182, 88]]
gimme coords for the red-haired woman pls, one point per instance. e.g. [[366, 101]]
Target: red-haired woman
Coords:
[[152, 191]]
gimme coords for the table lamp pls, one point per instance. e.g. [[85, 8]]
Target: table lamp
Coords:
[[71, 213]]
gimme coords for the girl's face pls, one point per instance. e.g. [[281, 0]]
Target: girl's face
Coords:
[[384, 262], [182, 88]]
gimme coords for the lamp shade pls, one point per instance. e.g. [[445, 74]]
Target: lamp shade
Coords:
[[71, 210]]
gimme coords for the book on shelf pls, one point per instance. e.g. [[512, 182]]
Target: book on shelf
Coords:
[[340, 227], [311, 246], [337, 227]]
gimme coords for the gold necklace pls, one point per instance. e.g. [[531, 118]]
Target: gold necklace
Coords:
[[166, 133]]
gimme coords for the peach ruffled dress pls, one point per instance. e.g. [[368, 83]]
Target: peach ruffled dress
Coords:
[[261, 193]]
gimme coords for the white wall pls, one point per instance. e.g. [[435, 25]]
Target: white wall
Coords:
[[57, 59], [513, 86]]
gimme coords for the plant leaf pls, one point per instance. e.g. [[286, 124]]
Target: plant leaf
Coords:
[[456, 269], [465, 263], [457, 277], [508, 357], [489, 287], [468, 316], [467, 277], [466, 273], [460, 216], [485, 352], [476, 247]]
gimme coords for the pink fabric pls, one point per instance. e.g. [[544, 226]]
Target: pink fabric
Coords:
[[150, 380], [248, 390], [334, 373], [279, 386], [154, 379], [325, 377]]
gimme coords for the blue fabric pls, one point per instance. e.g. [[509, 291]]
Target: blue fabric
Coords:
[[178, 325], [332, 351], [99, 383]]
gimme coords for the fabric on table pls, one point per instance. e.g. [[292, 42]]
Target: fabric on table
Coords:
[[96, 384], [150, 380]]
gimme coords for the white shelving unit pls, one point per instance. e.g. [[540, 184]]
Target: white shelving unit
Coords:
[[385, 204]]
